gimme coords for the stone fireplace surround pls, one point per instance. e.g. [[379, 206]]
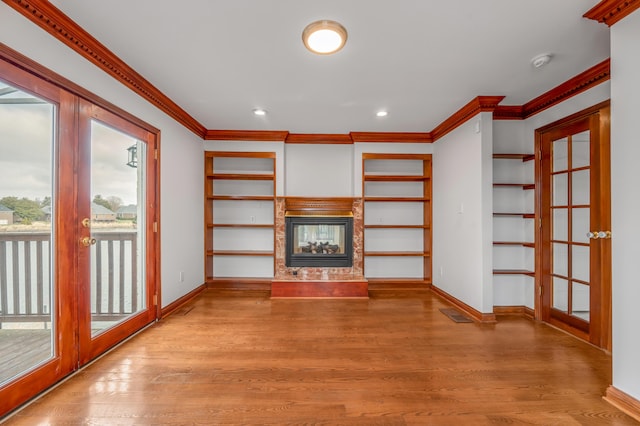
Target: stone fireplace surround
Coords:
[[313, 281]]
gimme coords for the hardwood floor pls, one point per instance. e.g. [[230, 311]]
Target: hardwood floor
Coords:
[[394, 359]]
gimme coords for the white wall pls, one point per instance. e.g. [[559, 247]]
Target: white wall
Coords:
[[462, 214], [625, 202], [318, 170], [180, 150]]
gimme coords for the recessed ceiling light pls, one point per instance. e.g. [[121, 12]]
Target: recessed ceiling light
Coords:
[[541, 60], [324, 37], [259, 111], [381, 114]]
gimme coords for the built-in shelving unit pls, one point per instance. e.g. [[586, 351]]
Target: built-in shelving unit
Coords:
[[512, 206], [397, 217], [240, 192]]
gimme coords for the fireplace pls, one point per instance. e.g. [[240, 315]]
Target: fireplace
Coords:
[[318, 241], [319, 250]]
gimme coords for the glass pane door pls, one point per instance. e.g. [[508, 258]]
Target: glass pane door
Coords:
[[570, 219], [27, 329], [117, 246], [118, 286]]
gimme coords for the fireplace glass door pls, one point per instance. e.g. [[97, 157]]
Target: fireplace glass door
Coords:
[[319, 241]]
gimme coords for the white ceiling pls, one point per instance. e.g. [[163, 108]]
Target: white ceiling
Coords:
[[420, 59]]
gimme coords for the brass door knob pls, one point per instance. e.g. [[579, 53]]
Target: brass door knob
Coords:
[[87, 241]]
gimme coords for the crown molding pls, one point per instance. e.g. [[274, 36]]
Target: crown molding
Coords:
[[30, 66], [406, 137], [578, 84], [509, 112], [476, 106], [59, 25], [56, 23], [319, 138], [246, 135], [611, 11]]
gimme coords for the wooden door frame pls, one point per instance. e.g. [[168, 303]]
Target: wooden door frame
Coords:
[[63, 360], [24, 73], [599, 116]]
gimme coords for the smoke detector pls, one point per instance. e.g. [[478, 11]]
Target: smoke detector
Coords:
[[541, 60]]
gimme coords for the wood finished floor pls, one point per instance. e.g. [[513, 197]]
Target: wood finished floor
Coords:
[[394, 359]]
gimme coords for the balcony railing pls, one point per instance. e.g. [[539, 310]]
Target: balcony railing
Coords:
[[25, 272]]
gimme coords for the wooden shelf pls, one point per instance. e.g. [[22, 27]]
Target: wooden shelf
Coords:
[[514, 272], [524, 215], [240, 197], [408, 175], [239, 176], [395, 178], [514, 243], [239, 225], [255, 180], [397, 227], [523, 157], [240, 252], [398, 199], [524, 186], [397, 253]]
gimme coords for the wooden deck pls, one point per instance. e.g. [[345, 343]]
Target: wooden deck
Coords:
[[393, 359], [22, 349]]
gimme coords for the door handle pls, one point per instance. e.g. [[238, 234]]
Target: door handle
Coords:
[[87, 241], [596, 235]]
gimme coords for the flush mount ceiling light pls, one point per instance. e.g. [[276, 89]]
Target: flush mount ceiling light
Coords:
[[382, 114], [324, 37], [541, 60], [259, 111]]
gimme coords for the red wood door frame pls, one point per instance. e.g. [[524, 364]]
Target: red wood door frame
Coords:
[[596, 119], [68, 312]]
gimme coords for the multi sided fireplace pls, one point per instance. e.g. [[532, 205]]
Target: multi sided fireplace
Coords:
[[319, 241]]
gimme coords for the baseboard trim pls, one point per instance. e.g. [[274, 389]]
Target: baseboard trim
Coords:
[[473, 313], [177, 304], [522, 310], [623, 402], [240, 284], [384, 284]]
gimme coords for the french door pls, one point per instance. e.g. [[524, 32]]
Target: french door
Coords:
[[116, 238], [575, 217], [78, 238]]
